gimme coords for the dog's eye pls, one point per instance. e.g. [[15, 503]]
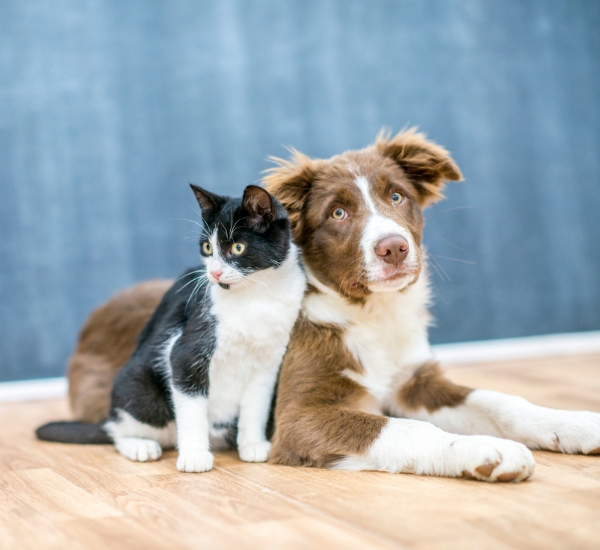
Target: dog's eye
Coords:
[[207, 248], [238, 248], [397, 198], [339, 214]]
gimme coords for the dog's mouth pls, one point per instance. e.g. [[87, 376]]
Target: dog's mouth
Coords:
[[394, 278], [386, 279]]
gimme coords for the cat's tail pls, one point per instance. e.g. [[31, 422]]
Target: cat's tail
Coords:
[[74, 432]]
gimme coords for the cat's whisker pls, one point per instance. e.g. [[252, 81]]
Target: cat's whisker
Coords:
[[191, 221], [196, 289], [255, 279], [195, 279], [192, 281]]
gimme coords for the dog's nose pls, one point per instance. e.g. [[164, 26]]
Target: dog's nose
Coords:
[[392, 250]]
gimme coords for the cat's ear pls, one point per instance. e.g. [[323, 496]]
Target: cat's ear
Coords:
[[209, 202], [259, 208]]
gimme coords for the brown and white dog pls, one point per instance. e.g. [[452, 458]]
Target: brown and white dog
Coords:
[[359, 387]]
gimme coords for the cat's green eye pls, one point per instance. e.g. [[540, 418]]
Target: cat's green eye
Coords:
[[238, 248], [207, 248], [397, 198]]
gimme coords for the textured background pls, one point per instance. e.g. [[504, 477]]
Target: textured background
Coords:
[[108, 109]]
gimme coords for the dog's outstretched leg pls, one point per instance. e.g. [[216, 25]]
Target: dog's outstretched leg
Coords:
[[485, 412], [339, 438]]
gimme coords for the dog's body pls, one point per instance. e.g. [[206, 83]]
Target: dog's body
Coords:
[[359, 387], [359, 379], [105, 344]]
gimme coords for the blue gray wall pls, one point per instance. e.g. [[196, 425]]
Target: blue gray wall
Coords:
[[108, 109]]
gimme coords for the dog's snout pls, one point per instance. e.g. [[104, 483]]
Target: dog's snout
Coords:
[[392, 250]]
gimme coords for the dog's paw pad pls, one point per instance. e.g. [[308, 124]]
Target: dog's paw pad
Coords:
[[507, 477], [486, 469], [195, 462], [255, 452]]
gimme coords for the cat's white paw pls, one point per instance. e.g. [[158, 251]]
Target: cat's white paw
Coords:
[[254, 452], [201, 461], [138, 449], [492, 459]]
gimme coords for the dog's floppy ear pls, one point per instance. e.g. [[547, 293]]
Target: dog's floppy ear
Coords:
[[289, 182], [427, 165], [259, 207], [209, 203]]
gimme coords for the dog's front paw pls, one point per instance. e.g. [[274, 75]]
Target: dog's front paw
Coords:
[[492, 459], [254, 452], [200, 461], [576, 432]]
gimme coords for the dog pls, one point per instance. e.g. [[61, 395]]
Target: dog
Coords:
[[359, 387], [105, 344]]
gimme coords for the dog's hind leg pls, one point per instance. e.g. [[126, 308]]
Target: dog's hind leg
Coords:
[[431, 397]]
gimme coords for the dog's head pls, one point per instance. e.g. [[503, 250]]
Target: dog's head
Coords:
[[358, 216]]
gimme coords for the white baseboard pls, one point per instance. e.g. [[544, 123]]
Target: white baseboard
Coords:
[[448, 354], [528, 347], [33, 390]]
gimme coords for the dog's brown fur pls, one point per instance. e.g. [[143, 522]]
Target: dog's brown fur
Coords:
[[320, 414], [430, 389], [317, 416], [105, 344], [311, 188]]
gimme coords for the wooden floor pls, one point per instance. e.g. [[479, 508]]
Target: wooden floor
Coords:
[[71, 497]]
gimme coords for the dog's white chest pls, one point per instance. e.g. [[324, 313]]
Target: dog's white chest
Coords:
[[388, 355], [387, 336]]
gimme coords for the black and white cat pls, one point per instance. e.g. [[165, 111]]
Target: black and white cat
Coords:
[[207, 362]]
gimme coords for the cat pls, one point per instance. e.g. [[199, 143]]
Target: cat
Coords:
[[204, 372]]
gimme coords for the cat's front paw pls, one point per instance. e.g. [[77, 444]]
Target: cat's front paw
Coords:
[[190, 462], [255, 452]]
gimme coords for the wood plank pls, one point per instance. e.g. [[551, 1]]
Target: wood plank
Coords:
[[69, 496]]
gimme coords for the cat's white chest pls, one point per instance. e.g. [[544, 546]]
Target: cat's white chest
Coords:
[[252, 334]]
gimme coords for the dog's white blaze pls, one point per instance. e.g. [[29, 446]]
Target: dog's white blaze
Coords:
[[377, 228], [365, 189]]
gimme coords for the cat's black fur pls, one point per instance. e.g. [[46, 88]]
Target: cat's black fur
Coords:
[[142, 387]]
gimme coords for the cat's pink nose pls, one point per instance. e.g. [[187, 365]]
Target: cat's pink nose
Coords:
[[216, 274]]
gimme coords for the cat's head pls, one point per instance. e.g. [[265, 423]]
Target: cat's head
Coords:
[[242, 236]]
